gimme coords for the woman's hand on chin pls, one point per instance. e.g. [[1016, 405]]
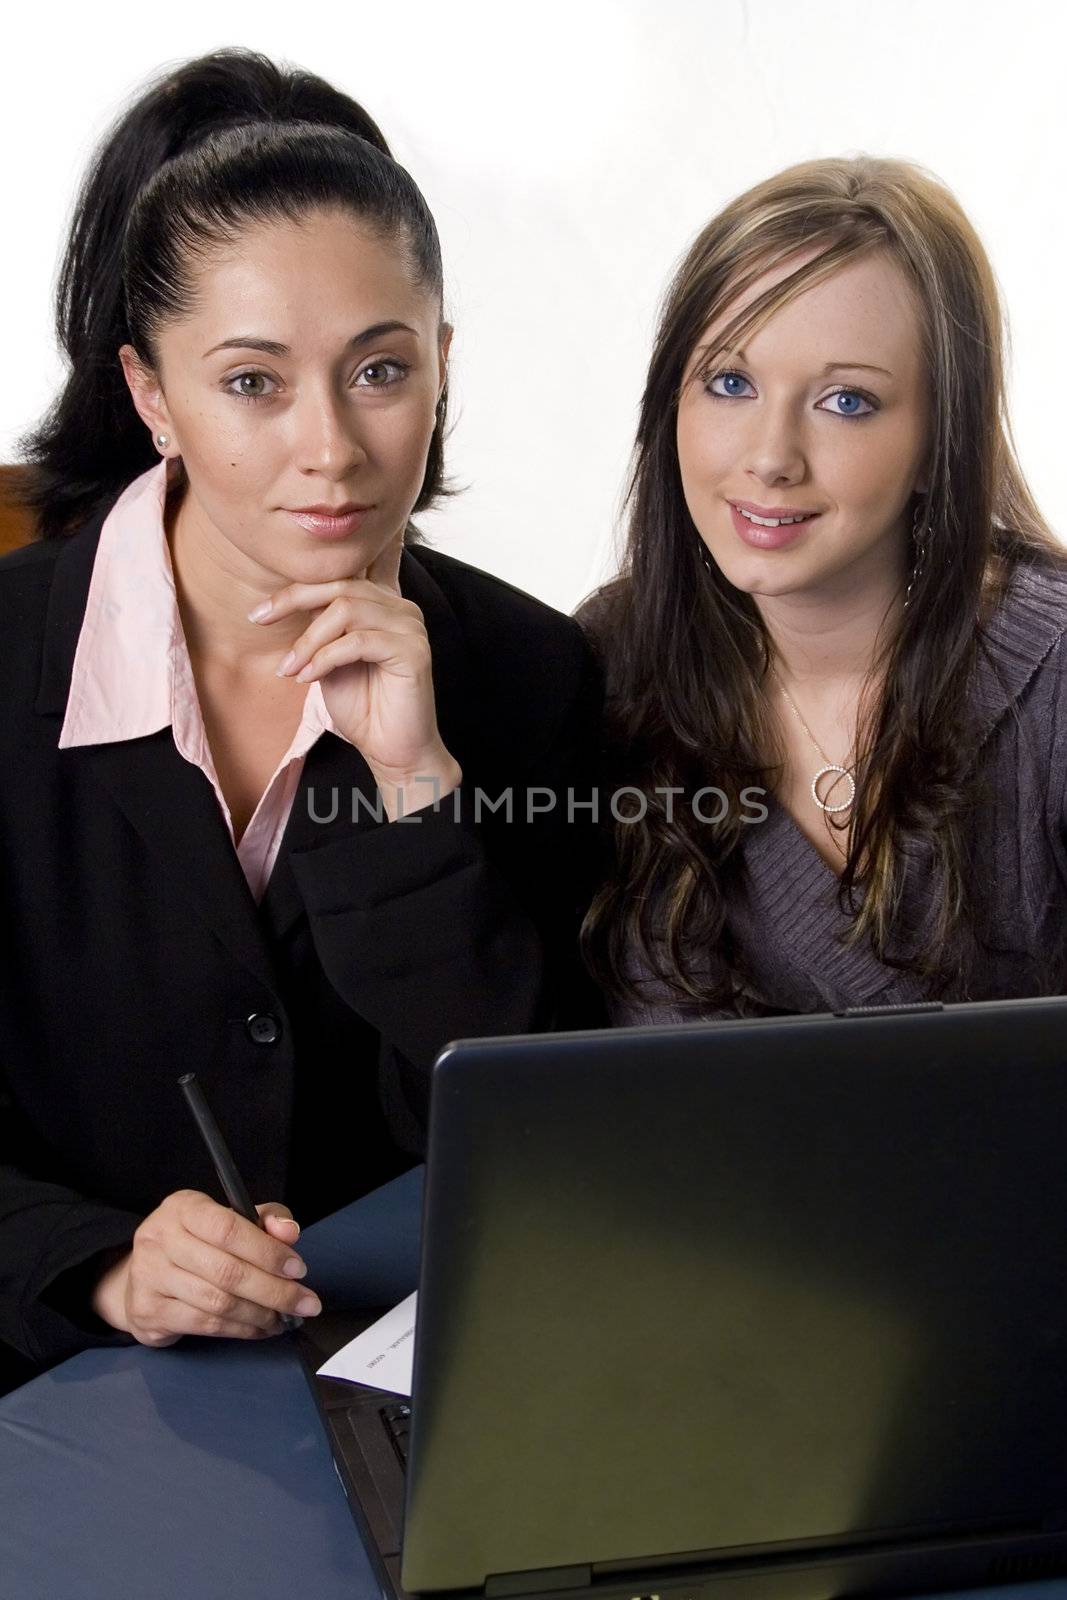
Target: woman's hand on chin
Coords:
[[368, 647]]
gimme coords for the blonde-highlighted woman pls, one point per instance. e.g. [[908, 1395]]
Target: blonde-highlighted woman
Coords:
[[835, 651]]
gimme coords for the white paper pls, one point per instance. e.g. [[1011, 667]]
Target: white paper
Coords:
[[381, 1355]]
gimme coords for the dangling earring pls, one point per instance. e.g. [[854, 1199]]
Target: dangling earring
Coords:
[[918, 539], [162, 440]]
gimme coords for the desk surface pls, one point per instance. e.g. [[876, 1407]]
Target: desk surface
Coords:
[[201, 1472]]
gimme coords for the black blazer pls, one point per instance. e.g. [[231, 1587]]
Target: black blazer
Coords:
[[133, 951]]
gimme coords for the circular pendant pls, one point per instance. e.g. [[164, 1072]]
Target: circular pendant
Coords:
[[842, 772]]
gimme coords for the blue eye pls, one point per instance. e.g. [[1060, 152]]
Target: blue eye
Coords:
[[847, 403], [731, 385]]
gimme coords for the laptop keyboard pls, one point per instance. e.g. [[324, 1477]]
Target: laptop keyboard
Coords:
[[397, 1420]]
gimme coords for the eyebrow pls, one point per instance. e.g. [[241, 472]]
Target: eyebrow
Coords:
[[853, 366], [839, 366], [271, 347]]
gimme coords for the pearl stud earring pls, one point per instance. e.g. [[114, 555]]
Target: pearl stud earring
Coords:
[[162, 440]]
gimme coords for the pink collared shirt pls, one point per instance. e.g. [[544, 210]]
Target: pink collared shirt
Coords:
[[132, 674]]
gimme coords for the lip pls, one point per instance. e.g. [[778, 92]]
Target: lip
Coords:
[[758, 538], [773, 511], [330, 522]]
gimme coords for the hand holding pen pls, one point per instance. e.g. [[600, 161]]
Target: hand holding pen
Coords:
[[200, 1267]]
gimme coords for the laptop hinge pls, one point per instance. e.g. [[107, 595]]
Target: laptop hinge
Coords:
[[533, 1582], [906, 1008]]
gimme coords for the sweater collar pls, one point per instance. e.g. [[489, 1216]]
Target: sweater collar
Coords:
[[1029, 621]]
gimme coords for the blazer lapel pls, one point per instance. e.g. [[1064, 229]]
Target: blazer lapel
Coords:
[[173, 808], [167, 800], [336, 796], [172, 805]]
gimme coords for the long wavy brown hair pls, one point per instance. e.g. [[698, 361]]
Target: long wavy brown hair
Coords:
[[687, 654]]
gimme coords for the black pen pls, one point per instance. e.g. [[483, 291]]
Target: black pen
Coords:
[[225, 1166]]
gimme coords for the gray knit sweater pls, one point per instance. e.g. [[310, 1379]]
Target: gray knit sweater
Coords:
[[786, 920]]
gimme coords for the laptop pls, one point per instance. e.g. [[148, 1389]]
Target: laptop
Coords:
[[770, 1309]]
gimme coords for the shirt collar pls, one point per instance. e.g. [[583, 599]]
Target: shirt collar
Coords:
[[131, 674]]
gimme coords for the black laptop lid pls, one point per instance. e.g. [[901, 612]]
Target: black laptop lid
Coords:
[[741, 1287]]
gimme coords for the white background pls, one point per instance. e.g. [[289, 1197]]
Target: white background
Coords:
[[569, 153]]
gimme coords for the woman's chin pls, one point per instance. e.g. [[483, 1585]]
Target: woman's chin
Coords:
[[770, 574]]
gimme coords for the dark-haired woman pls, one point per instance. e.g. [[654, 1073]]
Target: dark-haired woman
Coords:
[[837, 674], [266, 758]]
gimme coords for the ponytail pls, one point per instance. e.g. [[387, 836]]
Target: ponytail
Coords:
[[223, 140]]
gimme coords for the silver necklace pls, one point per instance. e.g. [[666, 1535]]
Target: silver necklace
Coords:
[[831, 767]]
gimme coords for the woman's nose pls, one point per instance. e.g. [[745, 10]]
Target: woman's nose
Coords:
[[775, 447], [327, 436]]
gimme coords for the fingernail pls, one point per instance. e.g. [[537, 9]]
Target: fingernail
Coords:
[[309, 1305], [260, 612], [303, 675], [286, 664], [295, 1268]]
